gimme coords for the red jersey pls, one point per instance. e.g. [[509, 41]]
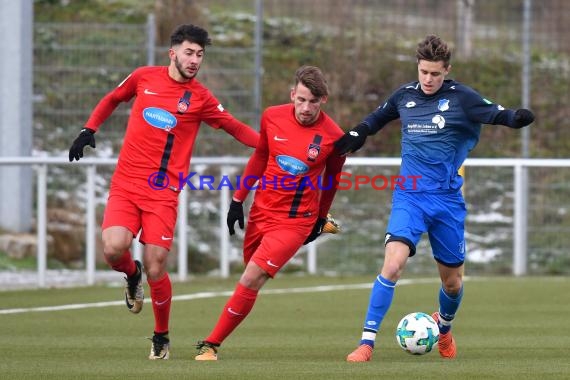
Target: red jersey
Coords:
[[163, 125], [295, 163]]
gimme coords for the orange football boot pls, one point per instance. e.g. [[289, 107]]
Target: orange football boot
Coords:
[[362, 354], [446, 343]]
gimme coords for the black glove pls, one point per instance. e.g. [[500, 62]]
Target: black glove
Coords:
[[235, 214], [352, 140], [523, 117], [317, 230], [86, 137]]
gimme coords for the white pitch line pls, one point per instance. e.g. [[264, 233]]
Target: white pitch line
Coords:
[[201, 295]]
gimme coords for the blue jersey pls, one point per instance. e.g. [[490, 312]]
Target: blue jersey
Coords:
[[438, 131]]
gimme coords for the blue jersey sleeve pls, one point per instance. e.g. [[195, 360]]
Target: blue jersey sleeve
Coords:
[[481, 110], [383, 114]]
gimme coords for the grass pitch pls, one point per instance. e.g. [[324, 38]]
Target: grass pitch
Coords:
[[507, 328]]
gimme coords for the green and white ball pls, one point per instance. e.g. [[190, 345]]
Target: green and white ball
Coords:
[[417, 333]]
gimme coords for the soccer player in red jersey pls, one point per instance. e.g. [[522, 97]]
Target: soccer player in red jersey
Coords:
[[297, 171], [169, 106]]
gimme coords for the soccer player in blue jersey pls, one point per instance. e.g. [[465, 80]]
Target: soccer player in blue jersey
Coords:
[[441, 123]]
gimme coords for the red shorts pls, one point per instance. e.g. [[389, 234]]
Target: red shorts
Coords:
[[131, 208], [271, 244]]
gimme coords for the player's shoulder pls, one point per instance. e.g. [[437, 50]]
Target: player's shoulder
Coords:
[[454, 86], [148, 70], [276, 112], [331, 126], [407, 90], [462, 92], [147, 73], [279, 110], [198, 86], [286, 107], [409, 87]]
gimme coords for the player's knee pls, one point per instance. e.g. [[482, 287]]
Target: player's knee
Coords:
[[113, 248], [395, 258], [392, 271], [155, 272], [254, 277], [452, 286]]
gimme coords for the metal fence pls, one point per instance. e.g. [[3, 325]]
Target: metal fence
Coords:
[[366, 48], [496, 238]]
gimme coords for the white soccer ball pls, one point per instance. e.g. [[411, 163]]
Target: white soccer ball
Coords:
[[417, 333]]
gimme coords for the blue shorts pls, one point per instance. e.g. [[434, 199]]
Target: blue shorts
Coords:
[[441, 215]]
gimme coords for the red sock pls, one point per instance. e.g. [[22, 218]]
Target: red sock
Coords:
[[237, 308], [161, 296], [125, 264]]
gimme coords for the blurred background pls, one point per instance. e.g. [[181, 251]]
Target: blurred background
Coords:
[[512, 51]]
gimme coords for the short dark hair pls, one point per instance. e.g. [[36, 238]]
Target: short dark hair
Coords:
[[312, 77], [190, 33], [433, 49]]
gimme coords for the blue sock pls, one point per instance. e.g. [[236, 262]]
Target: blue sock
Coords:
[[380, 301], [448, 305]]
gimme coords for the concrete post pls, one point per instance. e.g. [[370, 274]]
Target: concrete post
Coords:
[[16, 113]]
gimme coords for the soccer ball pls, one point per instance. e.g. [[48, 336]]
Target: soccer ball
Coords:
[[417, 333]]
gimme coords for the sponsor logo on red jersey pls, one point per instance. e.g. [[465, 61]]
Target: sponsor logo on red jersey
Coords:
[[313, 152]]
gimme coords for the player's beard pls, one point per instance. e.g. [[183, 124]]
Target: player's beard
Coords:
[[307, 119], [182, 72]]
